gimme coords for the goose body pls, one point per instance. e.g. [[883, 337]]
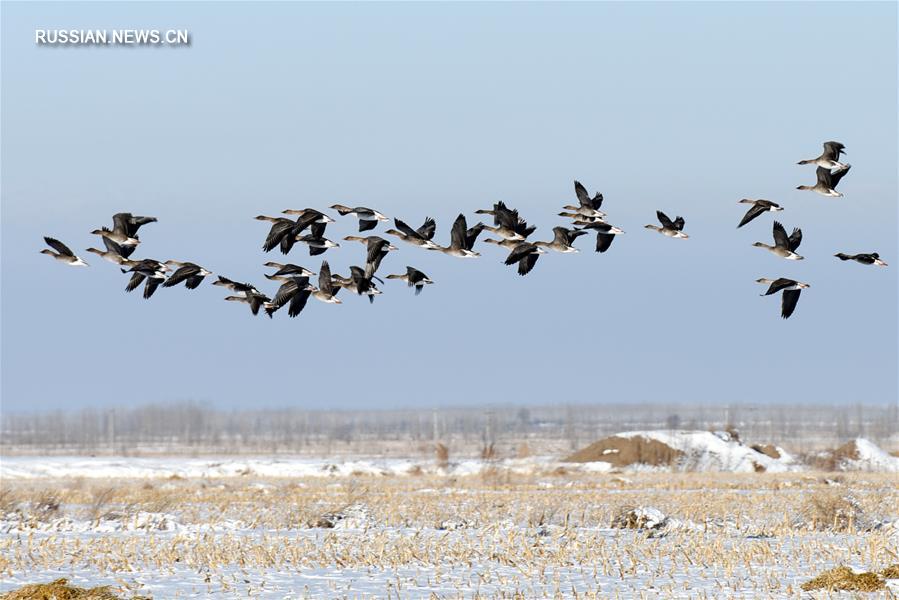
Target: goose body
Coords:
[[669, 228], [294, 292], [62, 253], [507, 223], [605, 234], [359, 281], [758, 207], [525, 254], [790, 288], [459, 241], [784, 246], [830, 158], [285, 270], [147, 269], [872, 258], [326, 291], [827, 181], [587, 206], [114, 253], [507, 244]]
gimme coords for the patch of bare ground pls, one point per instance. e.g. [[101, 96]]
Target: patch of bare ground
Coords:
[[845, 579], [625, 451], [60, 590]]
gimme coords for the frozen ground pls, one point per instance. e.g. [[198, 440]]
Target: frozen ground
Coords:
[[372, 529]]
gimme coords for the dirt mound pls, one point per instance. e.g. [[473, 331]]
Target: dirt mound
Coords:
[[856, 455], [845, 579], [59, 590], [624, 451]]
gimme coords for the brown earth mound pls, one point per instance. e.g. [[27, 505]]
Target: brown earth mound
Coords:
[[767, 450], [624, 451], [832, 459], [59, 590], [842, 578]]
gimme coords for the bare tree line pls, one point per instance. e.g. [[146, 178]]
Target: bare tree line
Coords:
[[193, 428]]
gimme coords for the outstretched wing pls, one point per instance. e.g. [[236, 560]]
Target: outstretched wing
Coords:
[[664, 220], [780, 235], [181, 274], [603, 241], [405, 229], [823, 176], [457, 234], [520, 251], [276, 234], [788, 302], [837, 175], [324, 278], [752, 213], [151, 285], [427, 229], [527, 263], [832, 150], [298, 303], [795, 238], [582, 196], [135, 281], [59, 246]]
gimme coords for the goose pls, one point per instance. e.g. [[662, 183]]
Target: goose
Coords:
[[295, 290], [757, 208], [507, 244], [507, 223], [413, 277], [281, 233], [289, 269], [827, 181], [581, 219], [119, 237], [376, 249], [865, 259], [114, 253], [588, 207], [151, 270], [459, 241], [526, 255], [829, 159], [63, 253], [326, 291], [784, 246], [562, 240], [317, 244], [190, 273], [256, 300], [605, 234], [421, 237], [368, 217], [359, 281], [669, 228], [791, 290], [234, 286], [129, 223]]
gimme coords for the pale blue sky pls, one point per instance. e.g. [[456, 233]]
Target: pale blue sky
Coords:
[[433, 109]]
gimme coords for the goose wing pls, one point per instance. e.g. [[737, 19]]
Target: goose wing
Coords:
[[788, 302], [754, 211], [194, 282], [582, 196], [603, 241], [181, 274], [427, 229], [318, 229], [366, 224], [457, 234], [832, 150], [285, 293], [520, 251], [664, 220], [298, 302], [823, 176], [151, 285], [795, 238], [780, 235], [136, 280], [679, 223], [375, 244], [279, 229], [471, 235], [837, 175], [324, 278], [527, 263], [406, 230], [59, 246], [778, 284]]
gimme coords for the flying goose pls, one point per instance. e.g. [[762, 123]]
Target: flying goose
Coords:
[[459, 240], [581, 219], [526, 255], [669, 228], [791, 290], [151, 270], [254, 299], [562, 239], [368, 218], [289, 269], [421, 237], [588, 207], [829, 159], [413, 277], [784, 246], [317, 244], [124, 229], [119, 237], [295, 290], [865, 259], [279, 234], [507, 244], [376, 249], [359, 281], [827, 181], [326, 291], [114, 253], [190, 273], [507, 223], [234, 286], [757, 208], [63, 253], [605, 234]]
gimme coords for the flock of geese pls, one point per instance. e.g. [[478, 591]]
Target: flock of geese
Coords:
[[307, 226]]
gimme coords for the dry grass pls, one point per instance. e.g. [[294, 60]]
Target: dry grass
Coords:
[[59, 590], [845, 580], [756, 528]]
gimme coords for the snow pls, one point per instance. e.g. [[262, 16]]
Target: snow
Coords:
[[871, 458]]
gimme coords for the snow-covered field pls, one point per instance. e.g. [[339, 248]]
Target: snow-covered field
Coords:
[[368, 528]]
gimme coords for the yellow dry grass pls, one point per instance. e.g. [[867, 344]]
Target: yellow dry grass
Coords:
[[59, 590], [845, 579]]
